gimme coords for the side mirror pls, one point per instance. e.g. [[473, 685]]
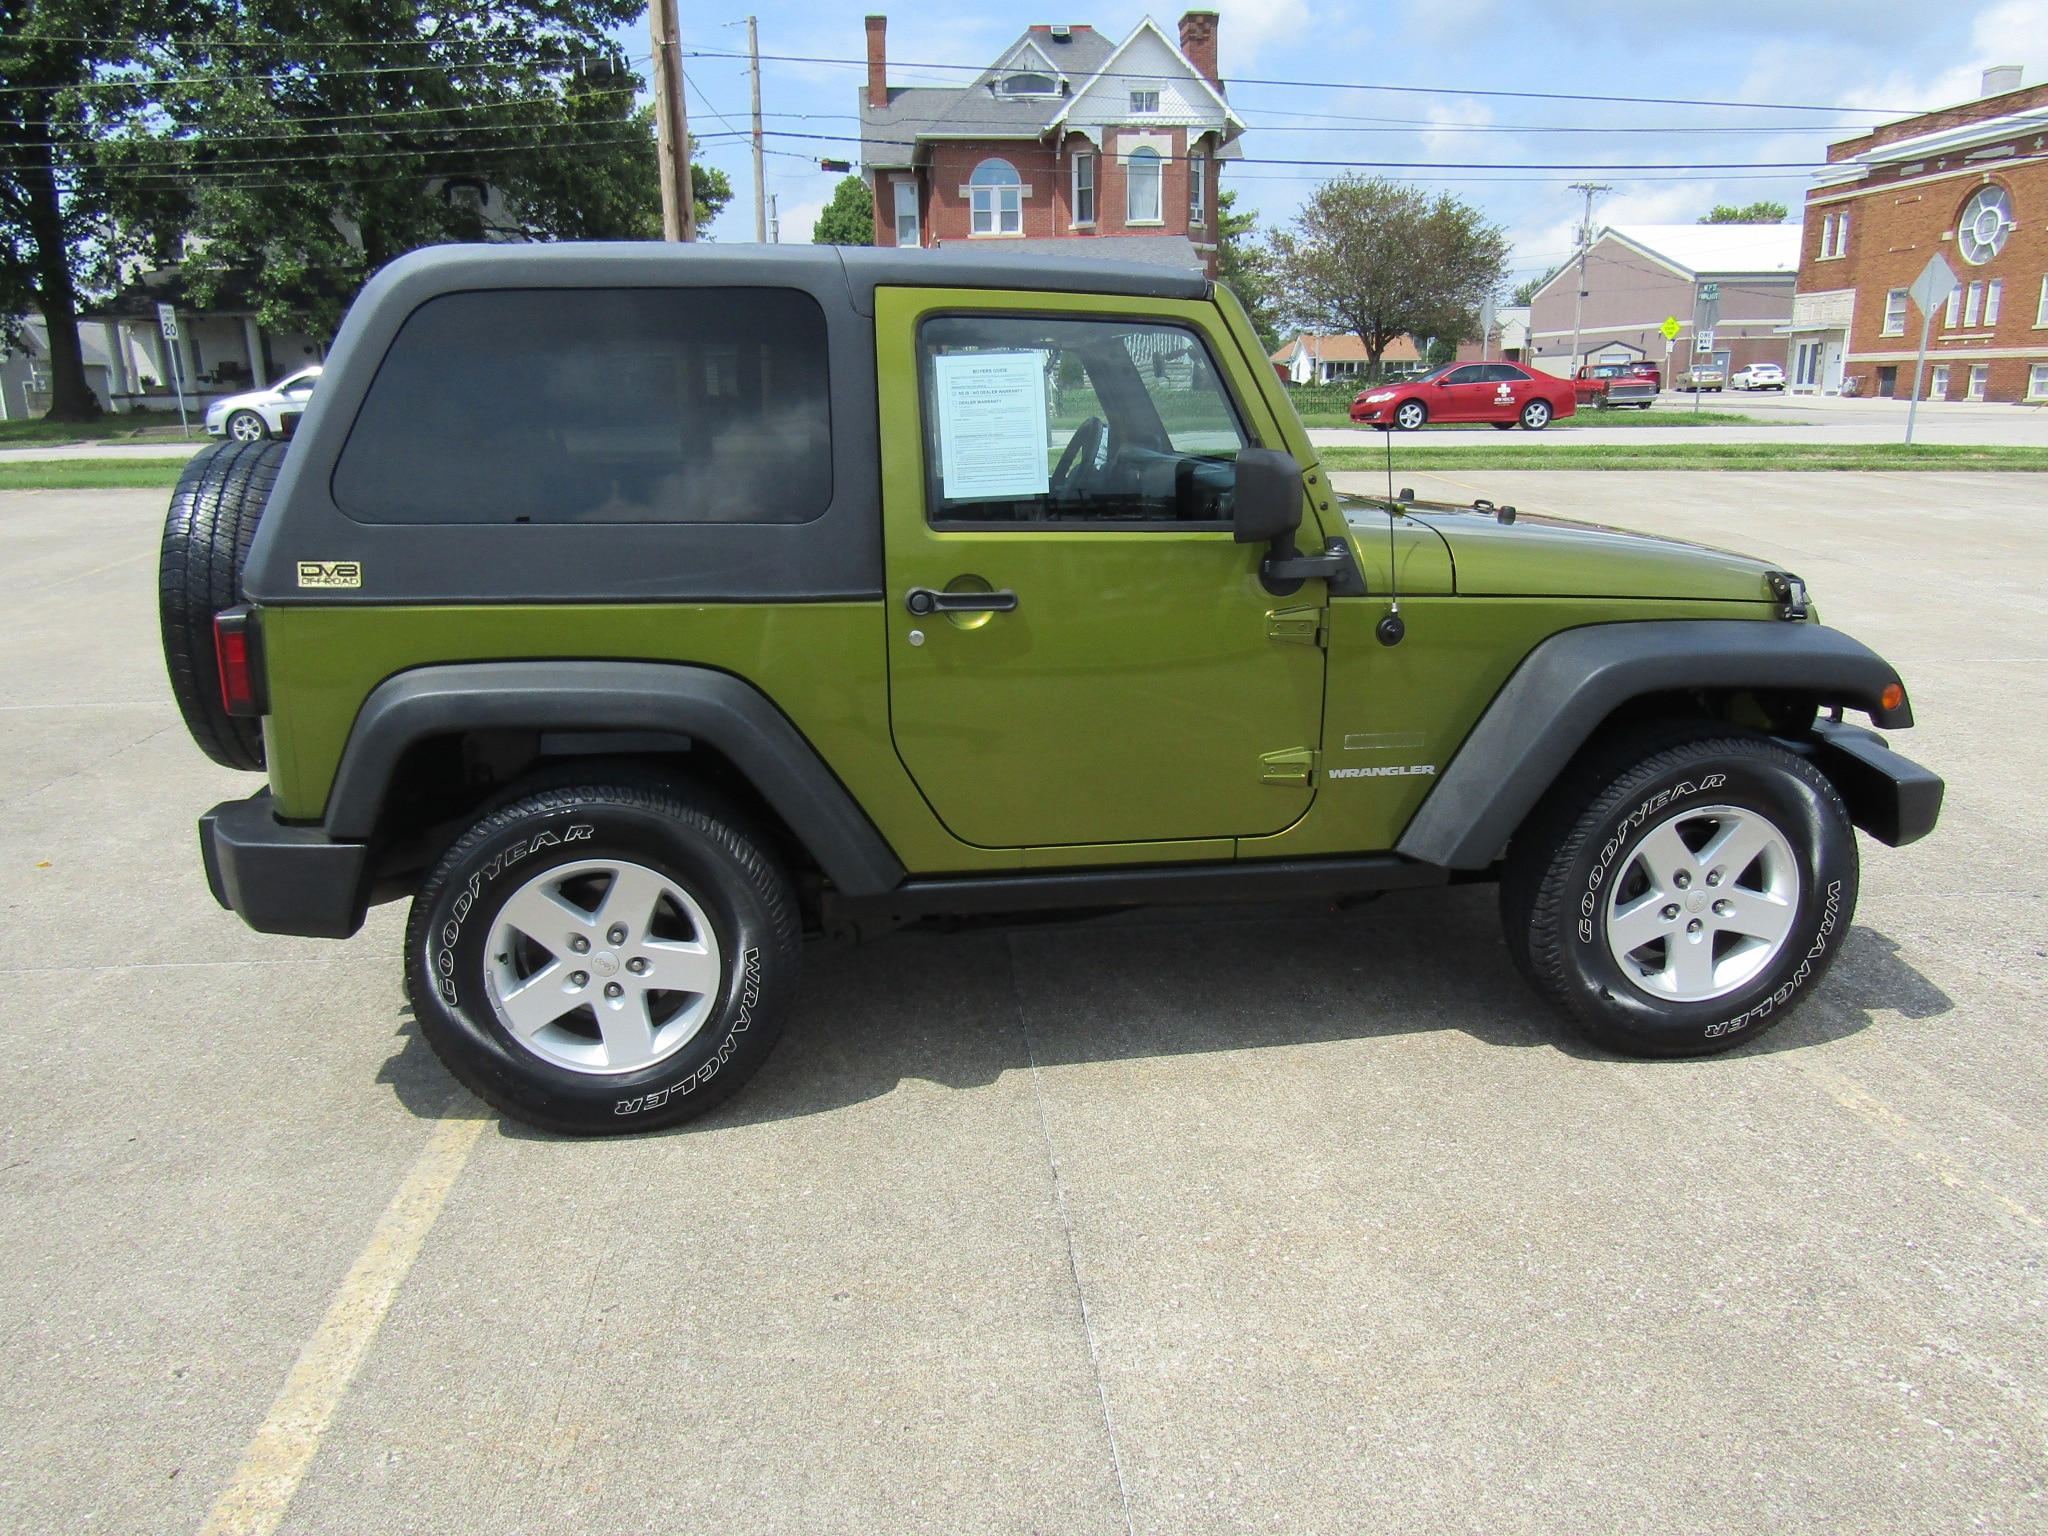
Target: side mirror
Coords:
[[1267, 503]]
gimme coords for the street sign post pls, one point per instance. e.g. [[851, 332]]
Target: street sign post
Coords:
[[1706, 313], [1670, 329], [167, 322], [1930, 290]]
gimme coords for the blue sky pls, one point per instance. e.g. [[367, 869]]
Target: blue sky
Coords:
[[1846, 55]]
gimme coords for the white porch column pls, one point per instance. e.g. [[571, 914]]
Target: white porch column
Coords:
[[252, 339], [117, 364]]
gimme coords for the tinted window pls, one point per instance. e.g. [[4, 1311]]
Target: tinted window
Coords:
[[1499, 373], [1471, 373], [1039, 420], [702, 405]]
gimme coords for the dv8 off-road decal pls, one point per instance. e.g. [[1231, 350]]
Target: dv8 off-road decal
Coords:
[[466, 899], [1589, 903], [1779, 998], [750, 996]]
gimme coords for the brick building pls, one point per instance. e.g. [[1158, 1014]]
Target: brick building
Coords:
[[1106, 148], [1638, 275], [1969, 182]]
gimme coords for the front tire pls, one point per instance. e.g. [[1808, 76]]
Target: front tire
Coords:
[[1535, 416], [1679, 893], [604, 958], [1410, 415]]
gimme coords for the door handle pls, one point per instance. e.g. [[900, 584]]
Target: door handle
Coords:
[[923, 600]]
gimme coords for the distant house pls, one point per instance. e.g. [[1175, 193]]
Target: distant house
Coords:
[[1968, 182], [222, 348], [25, 369], [1069, 141], [1510, 337], [1639, 275], [1315, 358]]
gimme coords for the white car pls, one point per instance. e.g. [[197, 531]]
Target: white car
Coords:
[[262, 413], [1758, 376]]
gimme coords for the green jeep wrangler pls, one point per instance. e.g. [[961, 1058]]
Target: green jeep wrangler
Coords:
[[637, 610]]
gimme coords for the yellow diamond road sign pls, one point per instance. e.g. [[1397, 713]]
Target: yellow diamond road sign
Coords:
[[1670, 327]]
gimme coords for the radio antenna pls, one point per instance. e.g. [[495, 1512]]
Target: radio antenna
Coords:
[[1392, 628]]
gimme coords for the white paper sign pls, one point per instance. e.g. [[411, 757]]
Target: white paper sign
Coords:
[[992, 432]]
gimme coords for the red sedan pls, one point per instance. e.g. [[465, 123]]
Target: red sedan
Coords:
[[1501, 393]]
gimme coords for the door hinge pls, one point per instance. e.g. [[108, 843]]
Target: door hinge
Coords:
[[1299, 626], [1294, 769]]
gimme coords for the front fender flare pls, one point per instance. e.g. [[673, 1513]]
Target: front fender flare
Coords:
[[714, 707], [1571, 682]]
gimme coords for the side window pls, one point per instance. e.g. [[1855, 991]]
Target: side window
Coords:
[[1048, 420], [636, 405], [1471, 373], [1508, 373]]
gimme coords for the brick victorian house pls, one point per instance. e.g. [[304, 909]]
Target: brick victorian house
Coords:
[[1970, 182], [1108, 148]]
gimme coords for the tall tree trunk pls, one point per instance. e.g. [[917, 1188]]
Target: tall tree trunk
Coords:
[[71, 398]]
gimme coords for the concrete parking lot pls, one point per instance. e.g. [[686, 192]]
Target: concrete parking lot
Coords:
[[1301, 1221]]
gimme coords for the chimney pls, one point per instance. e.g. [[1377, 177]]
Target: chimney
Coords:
[[2001, 78], [878, 61], [1198, 42]]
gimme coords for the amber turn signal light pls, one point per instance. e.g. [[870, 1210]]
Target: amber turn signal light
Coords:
[[1893, 696]]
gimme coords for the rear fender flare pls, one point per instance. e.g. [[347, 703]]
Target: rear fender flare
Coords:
[[1566, 686], [714, 707]]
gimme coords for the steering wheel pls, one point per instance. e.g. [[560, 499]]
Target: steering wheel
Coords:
[[1079, 457]]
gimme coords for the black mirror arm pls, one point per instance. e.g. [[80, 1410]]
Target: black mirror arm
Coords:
[[1335, 565]]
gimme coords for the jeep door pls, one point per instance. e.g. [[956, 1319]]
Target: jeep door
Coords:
[[1065, 463]]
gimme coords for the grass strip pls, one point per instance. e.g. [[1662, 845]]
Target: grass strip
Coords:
[[1783, 456], [129, 427], [89, 474]]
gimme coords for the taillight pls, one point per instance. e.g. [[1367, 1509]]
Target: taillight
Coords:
[[234, 649]]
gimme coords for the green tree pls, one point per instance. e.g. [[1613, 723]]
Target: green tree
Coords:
[[77, 151], [1525, 293], [1381, 260], [849, 219], [1245, 264], [1755, 213], [319, 143]]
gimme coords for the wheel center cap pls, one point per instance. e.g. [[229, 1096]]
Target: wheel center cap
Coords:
[[1696, 902], [605, 963]]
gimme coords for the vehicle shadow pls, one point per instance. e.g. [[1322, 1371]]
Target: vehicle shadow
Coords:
[[962, 1008]]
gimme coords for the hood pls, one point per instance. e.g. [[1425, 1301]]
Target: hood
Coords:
[[1549, 557]]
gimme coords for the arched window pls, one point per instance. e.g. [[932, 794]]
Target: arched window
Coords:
[[1029, 85], [1986, 221], [995, 194], [1141, 187]]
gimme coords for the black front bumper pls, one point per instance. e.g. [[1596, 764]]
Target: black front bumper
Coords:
[[1891, 797], [281, 878]]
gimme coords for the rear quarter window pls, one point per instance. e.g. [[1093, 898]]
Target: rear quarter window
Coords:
[[699, 405]]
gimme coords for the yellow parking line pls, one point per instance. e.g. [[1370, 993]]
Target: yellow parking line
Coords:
[[256, 1498]]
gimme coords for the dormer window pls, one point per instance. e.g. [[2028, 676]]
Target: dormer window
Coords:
[[1143, 103], [1028, 84]]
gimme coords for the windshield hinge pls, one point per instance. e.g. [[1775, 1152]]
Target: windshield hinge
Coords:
[[1299, 626], [1294, 769], [1790, 592]]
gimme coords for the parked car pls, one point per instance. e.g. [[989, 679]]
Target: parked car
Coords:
[[263, 413], [635, 610], [1708, 378], [1758, 376], [1501, 393], [1608, 386]]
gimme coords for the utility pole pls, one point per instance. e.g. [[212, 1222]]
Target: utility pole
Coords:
[[1590, 188], [760, 166], [672, 125], [774, 220]]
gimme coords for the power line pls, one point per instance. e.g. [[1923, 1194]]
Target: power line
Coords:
[[1347, 85]]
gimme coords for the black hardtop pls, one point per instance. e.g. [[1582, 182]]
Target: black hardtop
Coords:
[[834, 555]]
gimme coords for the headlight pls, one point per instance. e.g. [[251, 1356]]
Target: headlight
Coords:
[[1385, 394]]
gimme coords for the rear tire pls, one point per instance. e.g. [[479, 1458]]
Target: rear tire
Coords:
[[213, 515], [1535, 416], [656, 884], [247, 427], [1680, 891]]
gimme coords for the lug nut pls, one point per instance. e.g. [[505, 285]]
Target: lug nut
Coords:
[[1714, 877], [637, 966], [613, 989], [579, 944], [1724, 909], [1681, 879], [579, 978], [1670, 913], [617, 934], [1693, 928]]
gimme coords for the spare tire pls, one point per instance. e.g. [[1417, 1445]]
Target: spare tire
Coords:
[[213, 517]]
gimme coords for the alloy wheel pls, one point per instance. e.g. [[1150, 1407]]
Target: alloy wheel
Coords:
[[1704, 905], [603, 966]]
